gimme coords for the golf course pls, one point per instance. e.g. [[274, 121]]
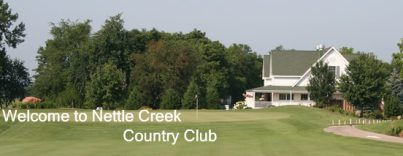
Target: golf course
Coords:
[[286, 130]]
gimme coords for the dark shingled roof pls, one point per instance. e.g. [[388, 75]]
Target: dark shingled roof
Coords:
[[266, 65], [293, 62]]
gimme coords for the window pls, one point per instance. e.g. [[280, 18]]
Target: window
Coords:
[[285, 97], [335, 70], [282, 97], [304, 96]]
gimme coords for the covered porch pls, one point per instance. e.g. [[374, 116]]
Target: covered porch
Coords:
[[267, 96]]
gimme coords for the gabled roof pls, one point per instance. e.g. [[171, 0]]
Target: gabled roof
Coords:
[[289, 63], [293, 62]]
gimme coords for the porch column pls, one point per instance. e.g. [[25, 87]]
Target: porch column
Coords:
[[290, 97]]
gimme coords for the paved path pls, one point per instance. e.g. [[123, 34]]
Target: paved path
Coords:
[[354, 132]]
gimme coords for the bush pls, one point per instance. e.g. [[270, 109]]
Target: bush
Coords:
[[45, 105], [135, 100], [377, 114], [341, 111], [319, 104], [393, 130], [145, 108], [171, 100], [189, 101], [392, 107], [239, 105]]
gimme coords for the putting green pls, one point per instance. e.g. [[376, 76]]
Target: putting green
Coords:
[[286, 130]]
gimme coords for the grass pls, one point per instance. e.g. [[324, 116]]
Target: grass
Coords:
[[380, 127], [286, 130]]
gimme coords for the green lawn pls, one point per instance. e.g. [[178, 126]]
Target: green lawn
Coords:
[[381, 127], [286, 130]]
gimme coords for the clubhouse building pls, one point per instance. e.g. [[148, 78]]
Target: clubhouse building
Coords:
[[286, 75]]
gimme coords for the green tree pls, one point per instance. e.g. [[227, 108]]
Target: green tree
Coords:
[[281, 48], [13, 82], [105, 85], [396, 85], [189, 101], [397, 60], [392, 107], [171, 100], [135, 100], [363, 84], [346, 50], [69, 39], [164, 65], [14, 77], [212, 98], [245, 70], [321, 83]]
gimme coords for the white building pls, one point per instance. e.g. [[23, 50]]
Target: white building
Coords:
[[286, 75]]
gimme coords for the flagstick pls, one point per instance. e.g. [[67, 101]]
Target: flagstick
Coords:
[[197, 108]]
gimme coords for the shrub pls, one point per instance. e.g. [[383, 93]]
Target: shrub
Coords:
[[393, 130], [341, 111], [171, 100], [319, 104], [145, 108], [377, 114], [239, 105], [135, 100], [189, 101], [392, 107]]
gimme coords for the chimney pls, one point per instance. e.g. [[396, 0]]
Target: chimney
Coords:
[[320, 48]]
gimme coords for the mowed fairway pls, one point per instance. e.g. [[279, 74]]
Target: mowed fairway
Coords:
[[286, 130]]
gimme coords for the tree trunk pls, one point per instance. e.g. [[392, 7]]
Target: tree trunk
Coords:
[[72, 104], [362, 112], [109, 103]]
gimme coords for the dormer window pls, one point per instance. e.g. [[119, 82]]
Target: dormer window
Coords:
[[335, 70]]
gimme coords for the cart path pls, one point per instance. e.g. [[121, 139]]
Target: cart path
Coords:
[[354, 132]]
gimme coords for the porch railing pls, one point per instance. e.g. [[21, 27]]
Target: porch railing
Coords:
[[262, 104]]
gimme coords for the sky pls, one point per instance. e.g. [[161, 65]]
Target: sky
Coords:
[[366, 25]]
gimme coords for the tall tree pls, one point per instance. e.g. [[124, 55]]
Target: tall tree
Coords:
[[245, 69], [397, 60], [64, 50], [364, 82], [396, 85], [164, 65], [13, 75], [13, 82], [321, 83], [105, 85]]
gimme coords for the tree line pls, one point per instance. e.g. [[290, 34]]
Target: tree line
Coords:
[[116, 67]]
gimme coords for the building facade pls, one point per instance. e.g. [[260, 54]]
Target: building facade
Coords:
[[286, 75]]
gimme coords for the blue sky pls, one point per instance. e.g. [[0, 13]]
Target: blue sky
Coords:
[[365, 25]]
